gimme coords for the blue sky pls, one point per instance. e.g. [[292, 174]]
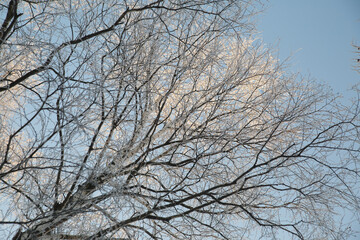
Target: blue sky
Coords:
[[317, 34]]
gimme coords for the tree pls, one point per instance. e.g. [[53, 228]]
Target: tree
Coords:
[[164, 119]]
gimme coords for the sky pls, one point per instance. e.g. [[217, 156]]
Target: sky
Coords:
[[317, 35]]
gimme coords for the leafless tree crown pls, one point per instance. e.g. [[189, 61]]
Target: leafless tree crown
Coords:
[[164, 119]]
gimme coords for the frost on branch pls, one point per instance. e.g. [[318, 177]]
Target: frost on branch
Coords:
[[164, 120]]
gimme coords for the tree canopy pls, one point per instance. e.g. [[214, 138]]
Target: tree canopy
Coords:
[[164, 119]]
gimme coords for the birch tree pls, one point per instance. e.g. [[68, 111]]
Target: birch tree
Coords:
[[164, 119]]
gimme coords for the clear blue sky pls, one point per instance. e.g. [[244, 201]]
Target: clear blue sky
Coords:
[[318, 35]]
